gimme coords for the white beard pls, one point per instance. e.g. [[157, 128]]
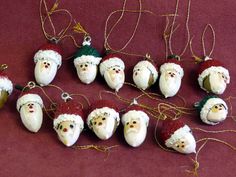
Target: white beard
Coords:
[[135, 137], [217, 117], [114, 81], [105, 131], [142, 78], [170, 86], [70, 137], [44, 76], [218, 84], [87, 76], [190, 144], [32, 121]]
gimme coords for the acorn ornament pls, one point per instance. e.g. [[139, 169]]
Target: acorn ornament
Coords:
[[171, 74], [6, 86], [86, 61], [30, 105], [213, 76], [145, 74], [135, 122], [213, 110], [178, 136], [48, 60], [112, 69], [103, 118], [68, 122]]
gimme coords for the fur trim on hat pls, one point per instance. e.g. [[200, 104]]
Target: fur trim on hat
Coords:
[[149, 65], [207, 106], [111, 62], [181, 132], [68, 117], [6, 84], [50, 55], [87, 59], [99, 111], [28, 98], [167, 66], [128, 115], [207, 71]]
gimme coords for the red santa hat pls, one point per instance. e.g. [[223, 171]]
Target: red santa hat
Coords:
[[99, 107], [69, 111], [209, 65], [173, 130], [110, 61], [172, 63], [132, 110], [5, 83], [51, 52], [29, 96]]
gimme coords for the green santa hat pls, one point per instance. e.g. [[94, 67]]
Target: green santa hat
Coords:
[[87, 54]]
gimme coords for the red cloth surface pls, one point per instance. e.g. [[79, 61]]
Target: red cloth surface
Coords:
[[26, 154]]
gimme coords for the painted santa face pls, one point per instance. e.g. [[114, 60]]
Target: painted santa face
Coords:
[[170, 82], [185, 144], [217, 113], [104, 125], [86, 72], [32, 116], [135, 131], [3, 97], [142, 77], [68, 132], [115, 77], [218, 82], [45, 71]]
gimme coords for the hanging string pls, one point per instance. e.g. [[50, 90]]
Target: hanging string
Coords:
[[231, 107], [83, 96], [186, 25], [217, 131], [56, 37]]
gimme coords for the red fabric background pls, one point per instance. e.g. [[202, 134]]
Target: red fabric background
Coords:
[[25, 154]]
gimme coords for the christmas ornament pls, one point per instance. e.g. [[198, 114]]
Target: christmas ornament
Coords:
[[103, 118], [86, 61], [213, 110], [30, 105], [144, 74], [48, 60], [112, 69], [171, 74], [68, 122], [213, 76], [178, 136], [135, 122], [5, 86]]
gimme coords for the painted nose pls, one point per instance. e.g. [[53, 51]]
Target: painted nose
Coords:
[[65, 130], [117, 71], [30, 107]]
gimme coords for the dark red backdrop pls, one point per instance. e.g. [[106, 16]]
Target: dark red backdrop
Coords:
[[25, 154]]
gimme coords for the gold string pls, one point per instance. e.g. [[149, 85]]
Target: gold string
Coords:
[[186, 25], [203, 40], [219, 141], [197, 59], [217, 131], [83, 96], [231, 107]]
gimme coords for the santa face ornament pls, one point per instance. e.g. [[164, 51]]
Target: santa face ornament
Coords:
[[68, 122], [30, 108], [86, 61], [213, 110], [6, 88], [170, 78], [48, 59], [112, 69], [178, 136], [135, 127], [213, 77], [144, 74]]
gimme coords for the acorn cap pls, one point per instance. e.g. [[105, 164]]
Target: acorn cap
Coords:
[[109, 61], [102, 106], [172, 64], [68, 111], [5, 83], [51, 52], [208, 66]]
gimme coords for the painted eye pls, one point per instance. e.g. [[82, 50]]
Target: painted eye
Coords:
[[95, 123], [216, 107], [182, 146], [45, 63], [48, 64], [86, 65], [71, 126], [61, 127], [28, 104], [103, 118], [127, 123], [138, 69], [134, 122], [177, 146], [182, 142], [81, 66], [114, 69]]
